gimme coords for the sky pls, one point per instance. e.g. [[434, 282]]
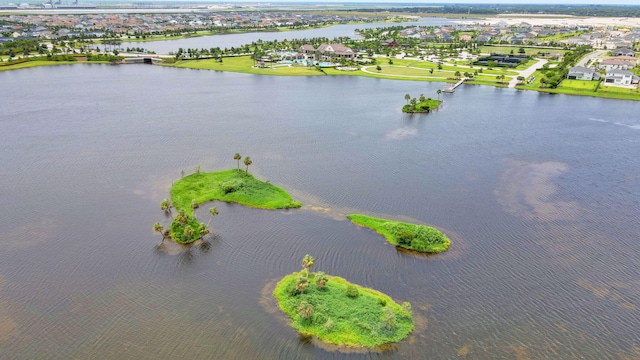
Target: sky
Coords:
[[417, 3]]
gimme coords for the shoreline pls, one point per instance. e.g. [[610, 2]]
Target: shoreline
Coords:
[[560, 91]]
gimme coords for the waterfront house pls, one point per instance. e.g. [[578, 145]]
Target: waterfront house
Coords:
[[328, 51], [582, 73], [620, 77]]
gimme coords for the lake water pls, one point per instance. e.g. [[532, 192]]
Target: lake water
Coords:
[[235, 40], [539, 193]]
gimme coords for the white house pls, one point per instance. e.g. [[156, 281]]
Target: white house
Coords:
[[620, 77], [582, 73]]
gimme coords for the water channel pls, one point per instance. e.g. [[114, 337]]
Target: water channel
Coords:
[[235, 40]]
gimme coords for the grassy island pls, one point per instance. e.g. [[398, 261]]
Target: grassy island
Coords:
[[341, 313], [422, 107], [409, 236], [235, 186]]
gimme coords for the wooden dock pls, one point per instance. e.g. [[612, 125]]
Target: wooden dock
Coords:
[[449, 88]]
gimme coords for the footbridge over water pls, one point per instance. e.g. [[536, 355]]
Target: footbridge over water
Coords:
[[142, 60]]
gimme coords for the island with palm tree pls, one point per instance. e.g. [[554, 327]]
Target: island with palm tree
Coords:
[[421, 105], [339, 312], [414, 237], [234, 186]]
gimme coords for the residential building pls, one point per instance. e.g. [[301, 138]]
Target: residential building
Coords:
[[620, 77], [582, 73]]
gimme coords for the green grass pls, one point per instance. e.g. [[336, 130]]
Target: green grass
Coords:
[[422, 107], [244, 64], [356, 321], [579, 85], [486, 49], [30, 64], [249, 191], [583, 88], [409, 236]]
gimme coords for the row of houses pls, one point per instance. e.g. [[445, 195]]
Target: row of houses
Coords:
[[612, 76]]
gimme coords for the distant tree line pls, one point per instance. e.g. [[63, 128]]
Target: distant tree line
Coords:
[[493, 9]]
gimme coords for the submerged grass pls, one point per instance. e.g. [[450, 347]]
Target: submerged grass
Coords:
[[230, 186], [409, 236], [368, 319]]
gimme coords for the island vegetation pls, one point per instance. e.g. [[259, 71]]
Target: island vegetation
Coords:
[[419, 238], [421, 105], [234, 185], [339, 312]]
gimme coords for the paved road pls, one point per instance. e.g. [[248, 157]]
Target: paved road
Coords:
[[527, 72], [591, 56]]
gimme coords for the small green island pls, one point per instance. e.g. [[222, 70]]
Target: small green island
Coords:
[[234, 186], [420, 105], [339, 312], [419, 238]]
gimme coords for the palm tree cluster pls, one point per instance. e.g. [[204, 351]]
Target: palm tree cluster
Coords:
[[302, 282], [190, 229]]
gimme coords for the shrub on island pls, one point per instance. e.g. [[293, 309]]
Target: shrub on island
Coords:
[[341, 313], [409, 236], [421, 107]]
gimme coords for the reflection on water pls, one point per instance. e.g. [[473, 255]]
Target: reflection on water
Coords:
[[540, 202]]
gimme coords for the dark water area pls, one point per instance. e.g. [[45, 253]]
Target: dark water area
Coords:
[[539, 193], [235, 40]]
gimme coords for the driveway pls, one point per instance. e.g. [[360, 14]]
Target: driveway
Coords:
[[527, 72]]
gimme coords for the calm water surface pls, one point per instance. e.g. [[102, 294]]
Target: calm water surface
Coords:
[[540, 195], [235, 40]]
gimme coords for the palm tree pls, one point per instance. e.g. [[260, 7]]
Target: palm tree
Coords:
[[194, 206], [407, 97], [302, 283], [182, 217], [439, 92], [307, 263], [237, 157], [305, 310], [188, 232], [157, 227], [457, 74], [213, 211], [247, 162], [203, 230], [321, 279], [166, 206]]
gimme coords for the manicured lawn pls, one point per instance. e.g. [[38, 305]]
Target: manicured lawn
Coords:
[[507, 49], [583, 88], [244, 64], [229, 186], [410, 236], [618, 92], [368, 319], [30, 64], [579, 85]]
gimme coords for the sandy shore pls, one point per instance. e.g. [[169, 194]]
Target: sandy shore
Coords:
[[558, 20]]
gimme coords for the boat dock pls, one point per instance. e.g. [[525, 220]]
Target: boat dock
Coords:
[[450, 88]]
